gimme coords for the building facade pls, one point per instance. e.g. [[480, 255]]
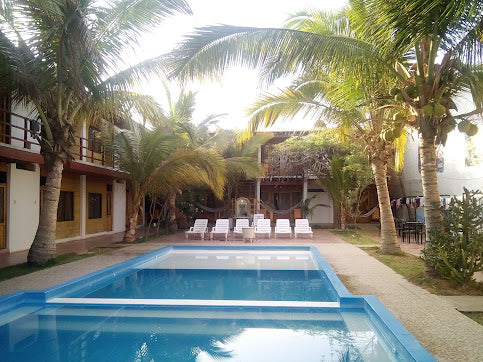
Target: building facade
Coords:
[[93, 192], [283, 187]]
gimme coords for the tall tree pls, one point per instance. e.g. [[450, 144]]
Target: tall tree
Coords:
[[64, 58], [337, 94], [240, 158], [179, 116], [442, 40], [417, 29], [159, 162]]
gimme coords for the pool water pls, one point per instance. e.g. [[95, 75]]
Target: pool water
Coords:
[[97, 334], [202, 304], [219, 284]]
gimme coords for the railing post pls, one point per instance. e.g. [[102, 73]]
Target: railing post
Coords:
[[81, 148], [25, 133]]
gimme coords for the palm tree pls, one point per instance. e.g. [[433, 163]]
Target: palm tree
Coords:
[[159, 162], [180, 118], [362, 119], [334, 93], [240, 156], [442, 40], [420, 27], [64, 59]]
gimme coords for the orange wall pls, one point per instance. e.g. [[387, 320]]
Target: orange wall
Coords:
[[98, 185]]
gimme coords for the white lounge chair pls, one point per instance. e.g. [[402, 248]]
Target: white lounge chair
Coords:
[[222, 227], [282, 227], [239, 225], [263, 227], [257, 217], [200, 227], [302, 227]]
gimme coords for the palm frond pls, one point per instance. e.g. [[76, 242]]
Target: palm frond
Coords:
[[271, 108], [121, 23], [188, 167], [320, 22], [210, 50]]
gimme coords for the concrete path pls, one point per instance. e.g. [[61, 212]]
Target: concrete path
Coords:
[[465, 303], [441, 329], [446, 333]]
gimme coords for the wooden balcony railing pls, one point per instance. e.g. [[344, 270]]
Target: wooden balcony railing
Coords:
[[277, 169], [23, 132]]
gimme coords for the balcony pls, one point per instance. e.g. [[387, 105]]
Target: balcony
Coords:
[[20, 133], [280, 169]]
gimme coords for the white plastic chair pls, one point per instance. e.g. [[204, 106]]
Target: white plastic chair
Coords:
[[239, 225], [222, 227], [200, 227], [263, 227], [257, 217], [302, 228], [282, 227]]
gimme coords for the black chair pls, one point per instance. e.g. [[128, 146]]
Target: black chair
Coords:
[[399, 223], [413, 228]]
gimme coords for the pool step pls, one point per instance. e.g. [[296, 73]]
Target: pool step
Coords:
[[193, 302]]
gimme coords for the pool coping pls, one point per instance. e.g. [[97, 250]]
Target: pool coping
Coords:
[[375, 309]]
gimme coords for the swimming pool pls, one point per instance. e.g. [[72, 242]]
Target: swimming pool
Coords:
[[268, 275], [205, 304]]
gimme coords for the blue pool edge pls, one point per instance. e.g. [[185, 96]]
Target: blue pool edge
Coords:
[[392, 327]]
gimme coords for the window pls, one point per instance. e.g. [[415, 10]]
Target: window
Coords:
[[65, 211], [95, 206]]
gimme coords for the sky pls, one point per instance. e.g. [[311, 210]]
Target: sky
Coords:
[[238, 88]]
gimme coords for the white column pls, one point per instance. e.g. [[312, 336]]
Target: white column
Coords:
[[304, 192], [118, 205], [83, 205], [84, 141]]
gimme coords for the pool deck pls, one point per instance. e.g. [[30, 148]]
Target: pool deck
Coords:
[[433, 320]]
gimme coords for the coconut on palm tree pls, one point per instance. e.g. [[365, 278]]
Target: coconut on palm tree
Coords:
[[63, 59]]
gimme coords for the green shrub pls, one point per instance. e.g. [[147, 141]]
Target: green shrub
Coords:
[[455, 251]]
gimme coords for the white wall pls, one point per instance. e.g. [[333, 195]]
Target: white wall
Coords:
[[19, 120], [118, 206], [322, 215], [23, 207], [455, 175]]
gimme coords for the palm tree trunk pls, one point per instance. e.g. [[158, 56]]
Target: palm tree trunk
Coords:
[[343, 218], [172, 225], [43, 247], [429, 176], [336, 215], [389, 242], [130, 234]]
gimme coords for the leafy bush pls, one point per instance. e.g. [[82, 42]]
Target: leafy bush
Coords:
[[455, 251]]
